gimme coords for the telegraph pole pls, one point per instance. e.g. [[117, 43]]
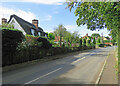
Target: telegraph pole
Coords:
[[102, 37]]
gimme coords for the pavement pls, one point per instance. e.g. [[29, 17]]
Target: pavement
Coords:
[[82, 68], [109, 75]]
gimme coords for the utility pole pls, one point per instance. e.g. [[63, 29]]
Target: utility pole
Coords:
[[102, 37]]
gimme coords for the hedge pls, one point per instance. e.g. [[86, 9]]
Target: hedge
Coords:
[[35, 52], [10, 40]]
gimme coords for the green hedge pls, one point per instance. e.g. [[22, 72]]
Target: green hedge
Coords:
[[35, 52], [10, 40]]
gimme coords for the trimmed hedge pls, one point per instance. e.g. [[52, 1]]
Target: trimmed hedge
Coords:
[[34, 52], [10, 40], [45, 43]]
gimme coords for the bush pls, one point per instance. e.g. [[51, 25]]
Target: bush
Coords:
[[83, 42], [94, 41], [88, 43], [80, 42], [45, 43]]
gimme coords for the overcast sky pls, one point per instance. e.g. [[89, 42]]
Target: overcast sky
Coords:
[[50, 14]]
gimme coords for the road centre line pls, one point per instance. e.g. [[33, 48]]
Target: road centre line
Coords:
[[42, 76], [78, 60], [54, 70]]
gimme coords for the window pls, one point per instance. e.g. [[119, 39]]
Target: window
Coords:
[[45, 35], [32, 31], [39, 33]]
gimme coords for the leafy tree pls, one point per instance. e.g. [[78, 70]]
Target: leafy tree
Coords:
[[51, 36], [80, 42], [71, 38], [95, 35], [97, 15], [88, 42], [83, 42], [98, 40], [94, 41], [60, 32]]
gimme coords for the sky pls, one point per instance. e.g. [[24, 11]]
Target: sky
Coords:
[[50, 14]]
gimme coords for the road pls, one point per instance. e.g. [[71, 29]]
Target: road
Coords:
[[83, 68]]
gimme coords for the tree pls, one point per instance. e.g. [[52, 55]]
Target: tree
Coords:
[[83, 42], [51, 36], [71, 38], [97, 15], [94, 41], [88, 42], [98, 40], [80, 42], [95, 35], [60, 32]]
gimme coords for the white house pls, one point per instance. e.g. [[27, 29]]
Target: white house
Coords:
[[25, 27]]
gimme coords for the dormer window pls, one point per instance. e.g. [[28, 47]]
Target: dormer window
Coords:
[[39, 33], [32, 31]]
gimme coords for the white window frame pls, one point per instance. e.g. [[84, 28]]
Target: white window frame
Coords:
[[39, 33], [33, 32], [45, 35]]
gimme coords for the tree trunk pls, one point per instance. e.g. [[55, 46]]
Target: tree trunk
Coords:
[[60, 40]]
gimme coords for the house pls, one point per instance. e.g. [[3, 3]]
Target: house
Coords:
[[57, 39], [86, 36], [24, 26]]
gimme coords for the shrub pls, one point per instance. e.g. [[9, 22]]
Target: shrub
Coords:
[[45, 43], [80, 42], [83, 42], [88, 43]]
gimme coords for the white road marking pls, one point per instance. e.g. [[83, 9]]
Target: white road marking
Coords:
[[78, 60], [43, 76], [100, 74]]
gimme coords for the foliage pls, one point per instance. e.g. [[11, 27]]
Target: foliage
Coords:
[[83, 42], [88, 42], [10, 41], [98, 40], [7, 26], [45, 43], [80, 42], [71, 38], [94, 41], [98, 15], [60, 32], [95, 35], [51, 36]]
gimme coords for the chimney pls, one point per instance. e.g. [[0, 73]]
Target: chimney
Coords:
[[87, 34], [4, 21], [35, 22]]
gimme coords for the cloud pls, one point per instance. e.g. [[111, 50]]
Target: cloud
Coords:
[[46, 18], [70, 27], [6, 12], [48, 2]]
